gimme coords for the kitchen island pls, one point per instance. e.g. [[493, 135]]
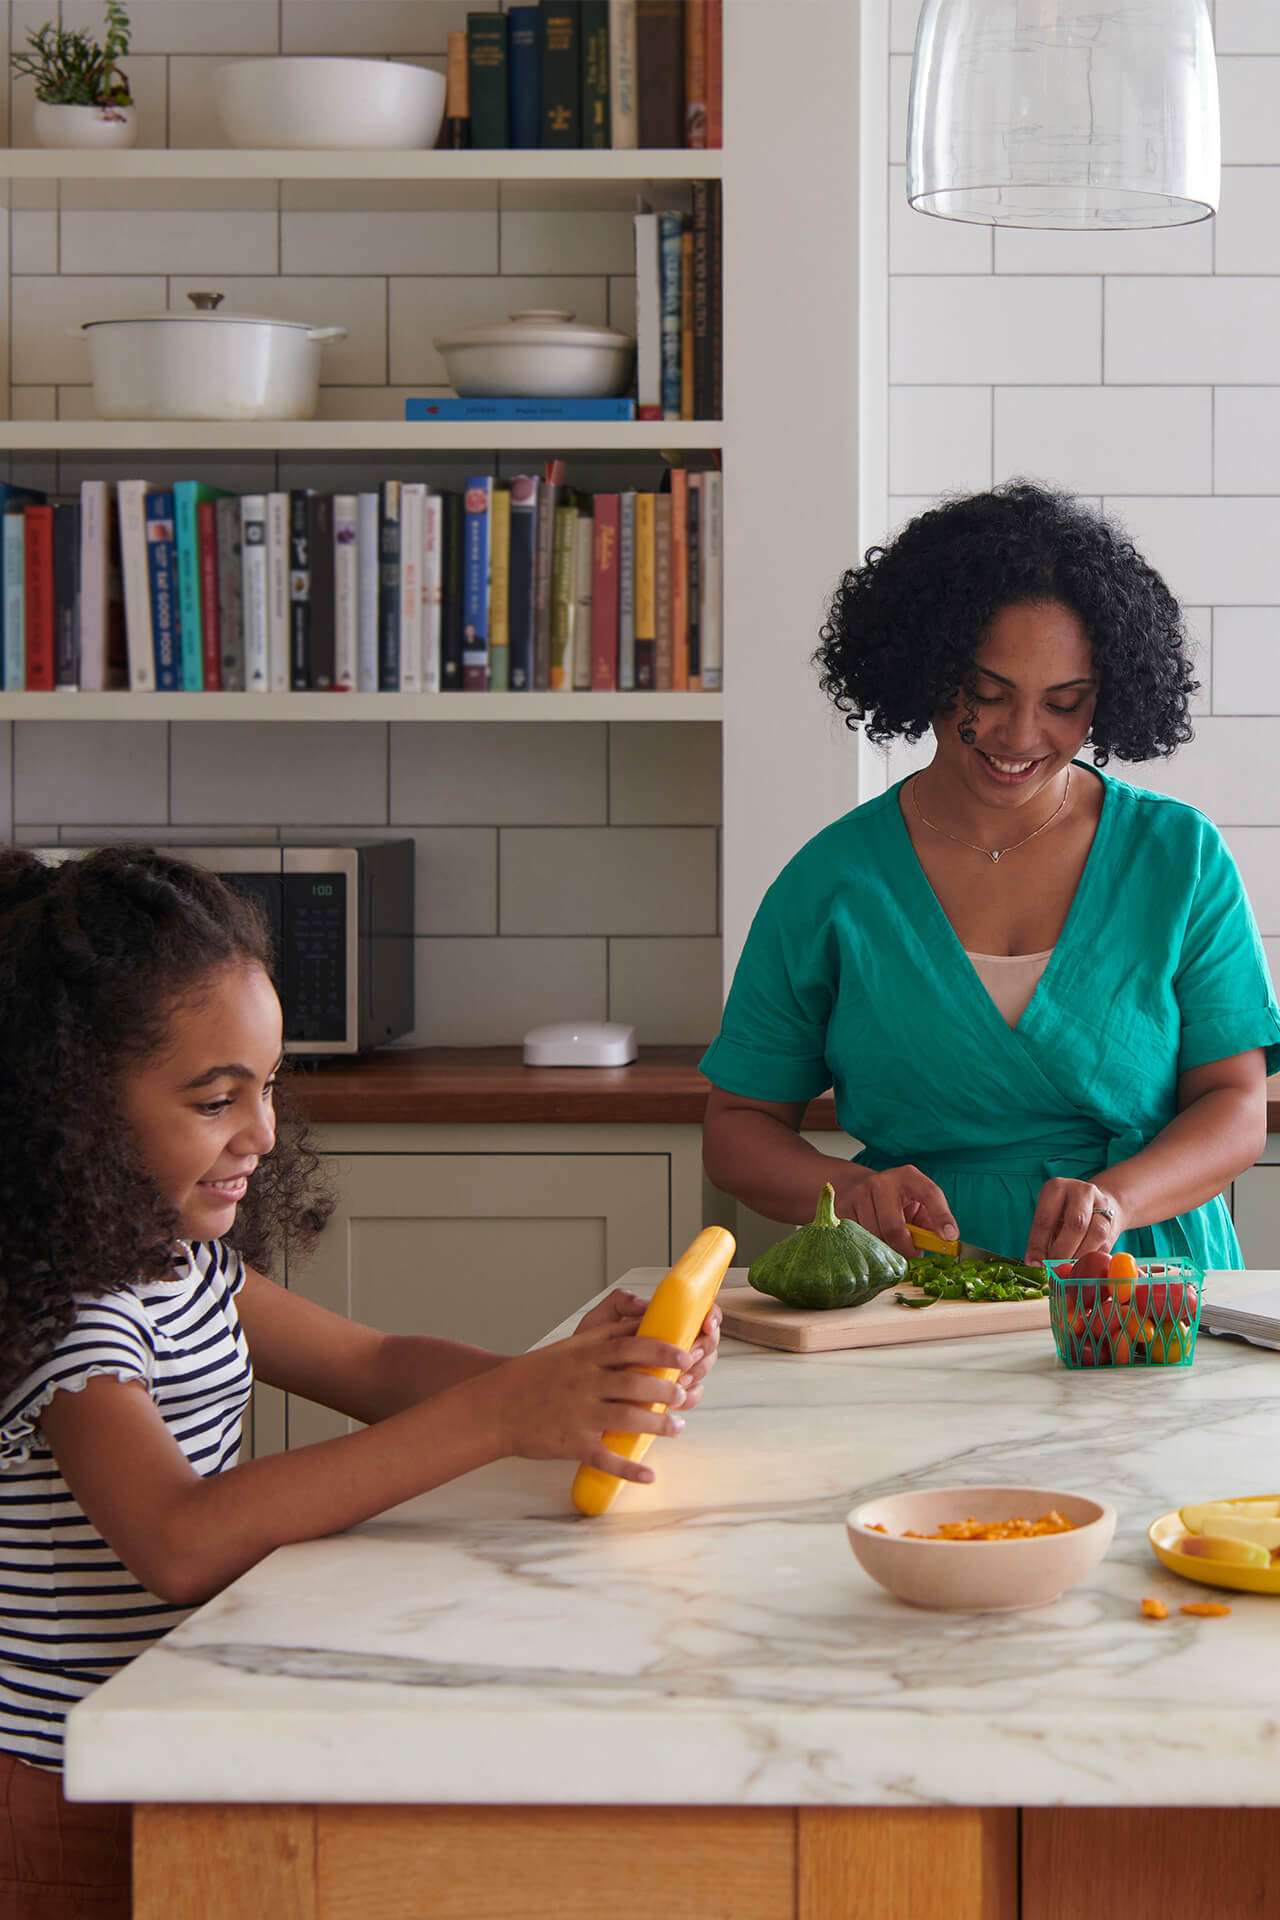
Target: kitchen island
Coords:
[[483, 1705]]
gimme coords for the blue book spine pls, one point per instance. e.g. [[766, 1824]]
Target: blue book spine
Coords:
[[524, 99], [429, 407], [669, 232], [478, 508], [186, 493], [162, 572], [15, 608]]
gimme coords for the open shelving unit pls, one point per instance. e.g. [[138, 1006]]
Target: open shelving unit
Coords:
[[789, 440]]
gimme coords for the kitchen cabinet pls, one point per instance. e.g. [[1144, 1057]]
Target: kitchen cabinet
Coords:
[[483, 1234], [1256, 1207]]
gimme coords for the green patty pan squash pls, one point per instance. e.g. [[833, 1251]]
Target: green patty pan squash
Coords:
[[830, 1263]]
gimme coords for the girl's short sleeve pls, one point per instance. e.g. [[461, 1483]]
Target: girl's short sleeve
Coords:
[[1223, 984], [773, 1034], [109, 1336]]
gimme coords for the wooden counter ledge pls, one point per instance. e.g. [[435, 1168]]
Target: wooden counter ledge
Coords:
[[444, 1086]]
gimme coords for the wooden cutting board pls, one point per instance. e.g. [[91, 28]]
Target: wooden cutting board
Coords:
[[753, 1316]]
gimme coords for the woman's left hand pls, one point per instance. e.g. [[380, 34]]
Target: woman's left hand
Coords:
[[620, 1313], [1073, 1217]]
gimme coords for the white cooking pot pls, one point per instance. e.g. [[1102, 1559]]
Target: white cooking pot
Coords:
[[205, 365], [536, 354]]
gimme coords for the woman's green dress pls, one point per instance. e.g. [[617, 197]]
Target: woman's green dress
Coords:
[[852, 977]]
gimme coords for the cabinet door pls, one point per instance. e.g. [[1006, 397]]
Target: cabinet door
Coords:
[[1257, 1216], [492, 1249]]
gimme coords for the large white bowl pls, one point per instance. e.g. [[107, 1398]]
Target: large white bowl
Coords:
[[307, 101], [987, 1576]]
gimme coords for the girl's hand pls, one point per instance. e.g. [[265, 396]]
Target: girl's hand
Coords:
[[1073, 1217], [620, 1313], [557, 1402], [884, 1202]]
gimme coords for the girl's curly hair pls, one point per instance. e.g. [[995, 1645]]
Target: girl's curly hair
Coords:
[[95, 956], [902, 631]]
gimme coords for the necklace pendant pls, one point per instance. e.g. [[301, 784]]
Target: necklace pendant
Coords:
[[995, 856]]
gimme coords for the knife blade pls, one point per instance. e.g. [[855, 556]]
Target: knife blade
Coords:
[[928, 1242]]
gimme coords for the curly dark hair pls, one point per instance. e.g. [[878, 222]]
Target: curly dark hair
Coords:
[[95, 956], [902, 631]]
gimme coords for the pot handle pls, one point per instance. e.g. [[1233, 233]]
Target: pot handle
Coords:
[[327, 333]]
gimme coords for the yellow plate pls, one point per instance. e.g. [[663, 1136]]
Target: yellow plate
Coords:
[[1163, 1533]]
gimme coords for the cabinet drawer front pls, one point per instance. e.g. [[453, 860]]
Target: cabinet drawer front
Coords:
[[491, 1249]]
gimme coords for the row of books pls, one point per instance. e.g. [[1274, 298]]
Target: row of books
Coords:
[[588, 73], [526, 587]]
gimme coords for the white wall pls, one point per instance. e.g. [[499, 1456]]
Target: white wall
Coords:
[[1143, 372]]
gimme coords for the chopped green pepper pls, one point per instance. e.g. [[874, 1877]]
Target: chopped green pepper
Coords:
[[993, 1280]]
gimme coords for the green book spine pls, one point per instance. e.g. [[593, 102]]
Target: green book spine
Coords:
[[596, 129], [559, 40], [487, 79]]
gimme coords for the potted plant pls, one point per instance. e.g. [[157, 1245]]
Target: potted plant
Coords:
[[82, 95]]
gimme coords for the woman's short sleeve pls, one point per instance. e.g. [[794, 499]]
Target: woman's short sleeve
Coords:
[[772, 1039], [109, 1336], [1223, 984]]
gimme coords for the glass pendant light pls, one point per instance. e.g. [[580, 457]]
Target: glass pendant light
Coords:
[[1090, 114]]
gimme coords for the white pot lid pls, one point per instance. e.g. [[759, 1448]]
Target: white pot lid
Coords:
[[535, 327], [206, 308]]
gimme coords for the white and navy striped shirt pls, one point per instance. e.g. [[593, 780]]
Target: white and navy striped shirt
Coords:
[[70, 1613]]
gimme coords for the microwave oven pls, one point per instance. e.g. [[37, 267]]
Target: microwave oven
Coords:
[[341, 922]]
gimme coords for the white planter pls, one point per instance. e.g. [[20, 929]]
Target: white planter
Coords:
[[311, 101], [58, 126], [205, 366]]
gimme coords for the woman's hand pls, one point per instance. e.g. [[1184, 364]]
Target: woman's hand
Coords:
[[620, 1313], [557, 1402], [1073, 1217], [883, 1203]]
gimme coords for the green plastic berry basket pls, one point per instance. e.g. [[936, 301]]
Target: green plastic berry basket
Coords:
[[1150, 1321]]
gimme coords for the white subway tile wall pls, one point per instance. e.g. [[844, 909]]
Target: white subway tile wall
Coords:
[[1142, 372], [562, 870]]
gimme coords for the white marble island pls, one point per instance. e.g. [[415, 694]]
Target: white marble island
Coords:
[[483, 1669]]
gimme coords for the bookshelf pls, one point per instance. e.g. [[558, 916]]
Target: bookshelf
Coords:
[[789, 440]]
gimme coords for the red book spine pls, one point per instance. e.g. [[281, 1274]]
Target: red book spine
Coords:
[[210, 624], [715, 73], [38, 561], [604, 594]]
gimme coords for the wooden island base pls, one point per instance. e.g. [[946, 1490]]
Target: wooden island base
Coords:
[[711, 1863]]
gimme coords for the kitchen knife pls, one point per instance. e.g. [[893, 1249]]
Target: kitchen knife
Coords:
[[957, 1249]]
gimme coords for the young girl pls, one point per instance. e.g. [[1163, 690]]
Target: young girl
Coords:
[[143, 1167]]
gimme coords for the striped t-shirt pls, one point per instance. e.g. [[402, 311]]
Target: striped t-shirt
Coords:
[[70, 1613]]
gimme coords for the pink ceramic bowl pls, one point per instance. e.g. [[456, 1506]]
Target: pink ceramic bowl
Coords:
[[990, 1576]]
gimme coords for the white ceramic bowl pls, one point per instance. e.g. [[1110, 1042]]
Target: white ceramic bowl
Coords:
[[308, 101], [989, 1576], [541, 354]]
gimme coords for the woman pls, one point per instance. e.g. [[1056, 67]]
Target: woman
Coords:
[[1038, 991]]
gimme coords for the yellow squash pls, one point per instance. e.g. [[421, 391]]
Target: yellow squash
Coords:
[[675, 1313]]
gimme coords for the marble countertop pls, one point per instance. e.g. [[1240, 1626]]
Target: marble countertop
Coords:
[[712, 1639]]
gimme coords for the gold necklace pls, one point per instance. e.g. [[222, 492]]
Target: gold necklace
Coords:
[[999, 852]]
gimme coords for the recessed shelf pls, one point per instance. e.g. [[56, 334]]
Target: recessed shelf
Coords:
[[360, 706], [358, 436], [238, 163]]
